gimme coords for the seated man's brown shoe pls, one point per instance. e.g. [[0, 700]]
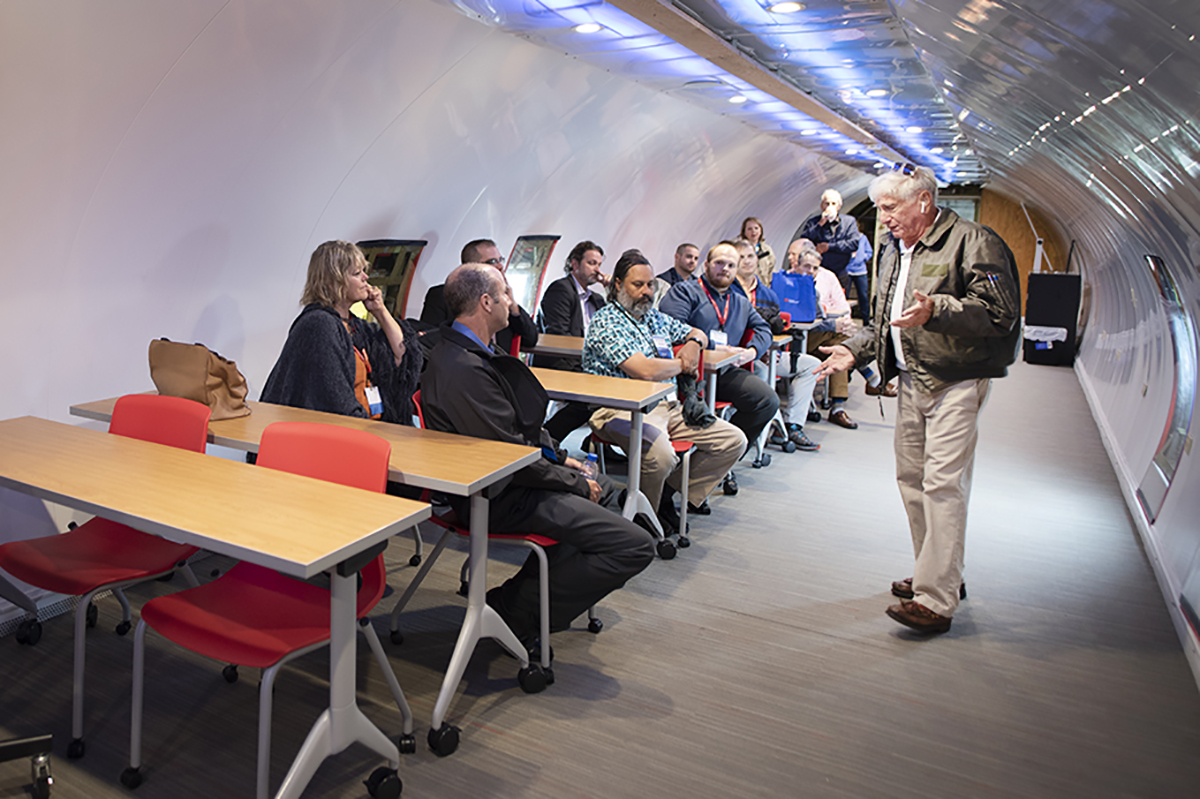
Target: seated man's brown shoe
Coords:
[[842, 419], [904, 590], [916, 616], [886, 390]]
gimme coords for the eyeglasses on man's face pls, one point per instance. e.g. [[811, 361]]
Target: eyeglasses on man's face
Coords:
[[494, 261]]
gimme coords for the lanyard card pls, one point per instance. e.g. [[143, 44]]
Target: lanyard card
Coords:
[[375, 400], [719, 338], [664, 349]]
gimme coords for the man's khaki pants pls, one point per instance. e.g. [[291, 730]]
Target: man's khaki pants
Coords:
[[935, 456], [718, 447]]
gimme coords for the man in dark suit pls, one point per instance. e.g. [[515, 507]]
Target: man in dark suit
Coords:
[[567, 308], [482, 251], [471, 389]]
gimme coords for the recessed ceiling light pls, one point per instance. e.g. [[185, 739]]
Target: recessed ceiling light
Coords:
[[738, 99], [914, 129], [587, 27], [877, 93], [852, 151], [785, 8], [935, 150], [810, 131]]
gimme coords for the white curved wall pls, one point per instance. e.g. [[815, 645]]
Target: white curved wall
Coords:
[[177, 163]]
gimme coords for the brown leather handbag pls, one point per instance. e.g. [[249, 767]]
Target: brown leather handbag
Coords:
[[195, 372]]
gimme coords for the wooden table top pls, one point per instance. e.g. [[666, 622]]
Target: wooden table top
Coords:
[[622, 393], [457, 465], [296, 525], [550, 344]]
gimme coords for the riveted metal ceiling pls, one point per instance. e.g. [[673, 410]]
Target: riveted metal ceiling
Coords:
[[972, 89]]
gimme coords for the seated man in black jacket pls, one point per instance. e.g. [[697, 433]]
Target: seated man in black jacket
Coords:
[[567, 308], [470, 389], [482, 251]]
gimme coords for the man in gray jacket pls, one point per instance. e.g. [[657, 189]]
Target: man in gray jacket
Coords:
[[946, 319]]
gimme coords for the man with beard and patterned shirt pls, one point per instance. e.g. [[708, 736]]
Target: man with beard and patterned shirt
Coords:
[[628, 337]]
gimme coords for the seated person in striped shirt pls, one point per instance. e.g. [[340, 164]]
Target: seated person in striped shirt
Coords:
[[630, 338]]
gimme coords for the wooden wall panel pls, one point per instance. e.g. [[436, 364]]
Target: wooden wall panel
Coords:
[[1006, 218]]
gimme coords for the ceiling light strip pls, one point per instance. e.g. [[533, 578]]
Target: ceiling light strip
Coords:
[[681, 28]]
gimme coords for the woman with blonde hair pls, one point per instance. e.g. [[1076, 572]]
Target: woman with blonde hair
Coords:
[[335, 362], [752, 231]]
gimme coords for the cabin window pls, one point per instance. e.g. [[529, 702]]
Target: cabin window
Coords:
[[1175, 441]]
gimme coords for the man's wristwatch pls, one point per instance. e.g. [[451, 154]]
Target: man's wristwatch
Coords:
[[692, 338]]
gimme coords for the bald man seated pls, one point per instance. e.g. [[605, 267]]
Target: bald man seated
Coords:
[[472, 389]]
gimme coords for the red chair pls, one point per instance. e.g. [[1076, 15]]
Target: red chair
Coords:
[[451, 525], [254, 616], [101, 555]]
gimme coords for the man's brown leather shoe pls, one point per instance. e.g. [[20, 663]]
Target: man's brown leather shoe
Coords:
[[916, 616], [887, 390], [903, 588], [839, 417]]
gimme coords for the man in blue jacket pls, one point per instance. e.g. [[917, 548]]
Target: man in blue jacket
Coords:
[[728, 318]]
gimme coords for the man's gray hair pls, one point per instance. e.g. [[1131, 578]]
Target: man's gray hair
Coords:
[[832, 194], [894, 183], [467, 284]]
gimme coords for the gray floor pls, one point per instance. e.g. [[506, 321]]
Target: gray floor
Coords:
[[758, 663]]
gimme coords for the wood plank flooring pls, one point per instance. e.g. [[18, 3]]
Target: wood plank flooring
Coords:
[[758, 663]]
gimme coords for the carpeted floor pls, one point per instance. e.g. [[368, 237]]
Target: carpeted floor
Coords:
[[757, 663]]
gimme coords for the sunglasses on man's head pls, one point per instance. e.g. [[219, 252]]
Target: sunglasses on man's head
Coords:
[[906, 169]]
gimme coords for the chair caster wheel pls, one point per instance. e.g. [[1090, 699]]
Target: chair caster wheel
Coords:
[[131, 777], [123, 627], [41, 787], [383, 783], [397, 637], [464, 588], [789, 447], [444, 740], [684, 542], [93, 615], [595, 625], [666, 549], [407, 744], [764, 460], [729, 487], [230, 673], [533, 679], [29, 632], [75, 749], [415, 560]]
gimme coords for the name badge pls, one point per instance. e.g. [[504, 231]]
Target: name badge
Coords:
[[663, 347], [719, 338], [374, 400]]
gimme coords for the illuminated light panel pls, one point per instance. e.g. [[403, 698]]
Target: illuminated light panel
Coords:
[[589, 27], [785, 8], [914, 129], [877, 93], [738, 99]]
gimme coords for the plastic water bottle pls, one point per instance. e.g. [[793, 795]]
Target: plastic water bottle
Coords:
[[590, 467]]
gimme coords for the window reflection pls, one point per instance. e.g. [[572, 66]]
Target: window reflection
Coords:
[[1153, 490], [526, 266]]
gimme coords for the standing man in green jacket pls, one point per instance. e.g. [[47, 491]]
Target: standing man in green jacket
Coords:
[[946, 320]]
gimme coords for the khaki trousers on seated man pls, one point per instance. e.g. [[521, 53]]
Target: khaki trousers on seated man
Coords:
[[718, 447]]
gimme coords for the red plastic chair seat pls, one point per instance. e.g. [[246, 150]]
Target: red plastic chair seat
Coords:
[[450, 521], [252, 616], [97, 552]]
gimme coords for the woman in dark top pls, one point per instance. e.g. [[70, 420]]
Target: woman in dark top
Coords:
[[335, 362]]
